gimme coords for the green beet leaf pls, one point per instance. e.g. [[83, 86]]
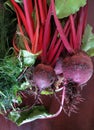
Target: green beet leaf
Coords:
[[88, 41], [37, 112], [45, 92], [66, 7], [28, 58]]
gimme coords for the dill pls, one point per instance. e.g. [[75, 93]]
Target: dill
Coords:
[[9, 86]]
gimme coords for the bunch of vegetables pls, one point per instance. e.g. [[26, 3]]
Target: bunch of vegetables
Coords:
[[51, 54]]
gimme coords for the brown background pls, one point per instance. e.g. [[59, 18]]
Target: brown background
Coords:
[[83, 120]]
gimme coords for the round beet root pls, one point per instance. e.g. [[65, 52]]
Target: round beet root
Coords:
[[78, 67], [43, 76]]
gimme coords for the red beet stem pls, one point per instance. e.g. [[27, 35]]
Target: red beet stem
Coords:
[[60, 109], [21, 15], [45, 7], [26, 44], [52, 45], [60, 30], [36, 35], [57, 55], [27, 6], [42, 11], [55, 50], [46, 37], [73, 30], [14, 45], [40, 41], [81, 26]]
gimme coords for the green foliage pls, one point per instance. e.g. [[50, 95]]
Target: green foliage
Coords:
[[46, 92], [7, 29], [28, 58], [9, 71], [8, 5], [66, 7], [88, 41], [19, 1], [37, 112]]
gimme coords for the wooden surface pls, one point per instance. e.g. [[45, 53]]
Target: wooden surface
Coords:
[[83, 120]]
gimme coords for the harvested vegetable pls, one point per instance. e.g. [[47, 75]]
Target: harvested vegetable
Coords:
[[47, 57], [78, 67], [43, 76]]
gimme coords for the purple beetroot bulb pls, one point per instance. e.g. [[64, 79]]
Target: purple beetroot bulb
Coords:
[[78, 67], [43, 76]]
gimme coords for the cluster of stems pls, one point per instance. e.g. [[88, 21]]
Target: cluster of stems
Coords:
[[38, 21]]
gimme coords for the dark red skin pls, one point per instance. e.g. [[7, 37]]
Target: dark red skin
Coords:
[[43, 76], [78, 67]]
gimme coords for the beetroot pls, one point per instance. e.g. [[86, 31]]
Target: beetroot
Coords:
[[78, 67], [43, 76]]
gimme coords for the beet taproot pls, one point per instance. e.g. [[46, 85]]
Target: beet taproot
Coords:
[[43, 76], [78, 67]]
